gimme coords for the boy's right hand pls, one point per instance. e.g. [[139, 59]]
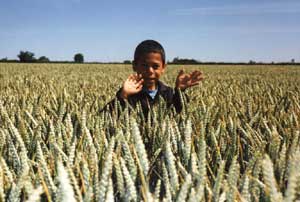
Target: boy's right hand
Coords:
[[132, 85]]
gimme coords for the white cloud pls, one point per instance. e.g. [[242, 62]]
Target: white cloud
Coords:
[[240, 10], [257, 30]]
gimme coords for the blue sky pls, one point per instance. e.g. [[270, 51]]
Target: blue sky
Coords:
[[214, 30]]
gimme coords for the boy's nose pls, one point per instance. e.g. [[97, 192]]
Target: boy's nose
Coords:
[[150, 69]]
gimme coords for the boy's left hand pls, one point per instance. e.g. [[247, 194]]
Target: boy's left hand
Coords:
[[185, 80]]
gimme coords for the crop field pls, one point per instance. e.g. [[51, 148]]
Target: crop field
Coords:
[[237, 139]]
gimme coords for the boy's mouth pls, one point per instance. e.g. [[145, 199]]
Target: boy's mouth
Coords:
[[149, 78]]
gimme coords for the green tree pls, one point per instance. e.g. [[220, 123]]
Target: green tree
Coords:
[[26, 56], [43, 59], [251, 62], [127, 62], [78, 58]]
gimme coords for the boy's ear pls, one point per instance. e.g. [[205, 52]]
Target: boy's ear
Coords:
[[164, 68]]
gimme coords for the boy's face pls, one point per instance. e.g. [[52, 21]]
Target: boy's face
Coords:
[[151, 67]]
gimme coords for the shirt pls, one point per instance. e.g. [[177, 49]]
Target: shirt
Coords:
[[152, 93]]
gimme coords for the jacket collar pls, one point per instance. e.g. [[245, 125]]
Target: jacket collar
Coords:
[[161, 86]]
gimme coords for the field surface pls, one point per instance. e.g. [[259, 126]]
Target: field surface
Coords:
[[237, 138]]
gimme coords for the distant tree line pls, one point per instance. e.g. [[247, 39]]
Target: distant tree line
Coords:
[[185, 61], [178, 60], [29, 57]]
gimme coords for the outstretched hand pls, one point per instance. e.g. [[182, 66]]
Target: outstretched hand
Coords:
[[132, 85], [186, 80]]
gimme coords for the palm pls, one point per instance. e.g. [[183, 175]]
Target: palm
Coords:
[[185, 80], [133, 85]]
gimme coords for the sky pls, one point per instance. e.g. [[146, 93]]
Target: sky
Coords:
[[109, 30]]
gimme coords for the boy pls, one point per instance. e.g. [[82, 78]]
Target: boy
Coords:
[[145, 87]]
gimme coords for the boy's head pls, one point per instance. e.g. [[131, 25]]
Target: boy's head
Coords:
[[149, 61], [149, 46]]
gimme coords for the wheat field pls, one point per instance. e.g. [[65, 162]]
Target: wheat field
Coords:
[[237, 138]]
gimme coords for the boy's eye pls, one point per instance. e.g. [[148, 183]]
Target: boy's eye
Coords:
[[155, 66]]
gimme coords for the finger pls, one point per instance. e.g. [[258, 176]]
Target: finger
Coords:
[[136, 84], [192, 75], [181, 72], [130, 78], [140, 76], [195, 74], [140, 82], [186, 78], [197, 71], [193, 84], [135, 80], [139, 88], [135, 76], [198, 78]]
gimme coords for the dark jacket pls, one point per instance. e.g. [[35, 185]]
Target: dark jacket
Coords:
[[171, 97]]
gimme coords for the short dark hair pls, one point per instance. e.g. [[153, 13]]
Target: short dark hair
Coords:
[[149, 46]]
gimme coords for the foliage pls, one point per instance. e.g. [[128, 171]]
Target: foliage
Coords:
[[252, 62], [43, 59], [236, 140], [178, 60], [26, 56], [78, 58], [127, 62]]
